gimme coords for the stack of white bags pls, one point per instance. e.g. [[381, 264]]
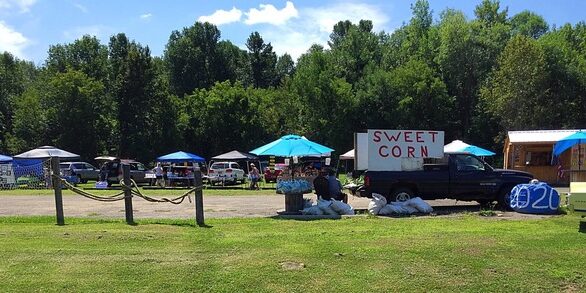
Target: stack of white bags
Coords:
[[328, 207], [378, 206]]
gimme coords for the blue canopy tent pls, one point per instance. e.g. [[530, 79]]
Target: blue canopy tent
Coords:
[[184, 175], [180, 157], [290, 146], [458, 146]]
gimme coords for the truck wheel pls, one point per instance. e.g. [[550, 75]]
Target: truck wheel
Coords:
[[504, 199], [401, 194]]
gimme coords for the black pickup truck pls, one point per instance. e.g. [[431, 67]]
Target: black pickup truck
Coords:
[[457, 176]]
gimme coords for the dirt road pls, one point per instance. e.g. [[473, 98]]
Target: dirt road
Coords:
[[214, 206]]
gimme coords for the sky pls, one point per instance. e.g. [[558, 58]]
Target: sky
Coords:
[[29, 27]]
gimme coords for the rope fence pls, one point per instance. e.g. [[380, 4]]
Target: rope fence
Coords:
[[134, 189], [129, 189]]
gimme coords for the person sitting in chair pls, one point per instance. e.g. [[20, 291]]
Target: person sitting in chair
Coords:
[[335, 187], [320, 184]]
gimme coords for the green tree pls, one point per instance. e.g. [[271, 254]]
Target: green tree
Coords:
[[229, 116], [138, 97], [529, 24], [489, 12], [87, 55], [15, 76], [517, 91], [565, 55], [354, 48], [326, 102], [71, 103], [30, 123], [193, 59], [285, 68], [262, 61]]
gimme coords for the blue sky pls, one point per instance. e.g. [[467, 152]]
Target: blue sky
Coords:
[[29, 27]]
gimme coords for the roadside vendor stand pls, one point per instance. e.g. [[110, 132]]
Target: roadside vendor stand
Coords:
[[189, 161], [292, 147]]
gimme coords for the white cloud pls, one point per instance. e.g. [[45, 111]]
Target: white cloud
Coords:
[[99, 31], [80, 7], [220, 16], [271, 15], [23, 5], [327, 17], [314, 26], [146, 16], [12, 41]]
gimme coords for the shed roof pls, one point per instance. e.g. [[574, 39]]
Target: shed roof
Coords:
[[536, 136]]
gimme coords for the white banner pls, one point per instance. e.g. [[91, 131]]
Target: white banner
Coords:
[[389, 149]]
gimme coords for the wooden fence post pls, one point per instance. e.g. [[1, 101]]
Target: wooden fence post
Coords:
[[57, 187], [199, 218], [127, 195]]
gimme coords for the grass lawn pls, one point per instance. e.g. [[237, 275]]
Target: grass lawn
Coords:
[[465, 253]]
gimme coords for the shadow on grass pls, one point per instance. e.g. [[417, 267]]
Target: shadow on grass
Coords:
[[437, 211], [582, 228], [305, 218]]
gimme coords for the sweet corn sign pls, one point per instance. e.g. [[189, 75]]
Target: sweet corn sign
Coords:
[[388, 148]]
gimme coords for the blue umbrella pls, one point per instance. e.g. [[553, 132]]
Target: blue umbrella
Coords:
[[458, 146], [291, 145], [569, 141], [178, 157]]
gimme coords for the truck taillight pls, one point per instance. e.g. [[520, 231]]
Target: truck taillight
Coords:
[[228, 170], [366, 181]]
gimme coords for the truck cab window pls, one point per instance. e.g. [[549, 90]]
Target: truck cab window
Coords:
[[468, 163]]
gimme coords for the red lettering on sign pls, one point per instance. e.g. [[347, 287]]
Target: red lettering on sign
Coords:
[[410, 152], [433, 133], [418, 136], [393, 138], [424, 151], [380, 151], [396, 151], [407, 135], [376, 136]]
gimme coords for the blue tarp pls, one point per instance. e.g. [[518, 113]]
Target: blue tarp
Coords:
[[291, 145], [538, 198], [28, 167], [178, 157], [567, 142], [5, 159]]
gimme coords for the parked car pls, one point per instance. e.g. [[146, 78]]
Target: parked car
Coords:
[[457, 176], [225, 172], [271, 175], [138, 172], [84, 171]]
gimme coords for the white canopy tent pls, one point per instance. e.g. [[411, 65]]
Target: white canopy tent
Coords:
[[349, 155]]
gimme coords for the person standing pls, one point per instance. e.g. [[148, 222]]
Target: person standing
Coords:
[[159, 175], [254, 177]]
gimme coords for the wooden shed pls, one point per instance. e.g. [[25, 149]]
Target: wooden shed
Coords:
[[531, 151]]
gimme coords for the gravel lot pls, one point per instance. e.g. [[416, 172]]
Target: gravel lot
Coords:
[[214, 207]]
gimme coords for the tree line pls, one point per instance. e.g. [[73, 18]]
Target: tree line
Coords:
[[473, 78]]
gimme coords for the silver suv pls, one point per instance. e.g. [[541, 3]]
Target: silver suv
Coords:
[[84, 171], [225, 172]]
